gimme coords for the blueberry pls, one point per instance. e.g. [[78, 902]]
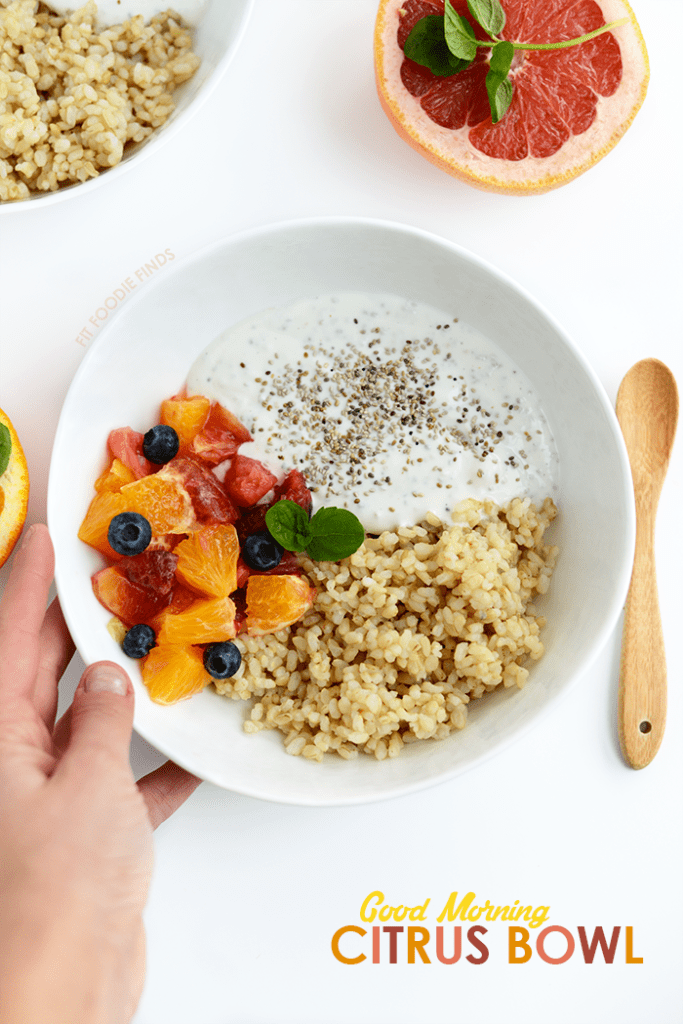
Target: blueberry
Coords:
[[129, 533], [160, 444], [222, 660], [261, 551], [139, 641]]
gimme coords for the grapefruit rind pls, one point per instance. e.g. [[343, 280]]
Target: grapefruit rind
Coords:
[[451, 150]]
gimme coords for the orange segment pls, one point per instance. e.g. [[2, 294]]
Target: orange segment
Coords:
[[274, 602], [204, 622], [13, 490], [95, 526], [569, 107], [174, 673], [207, 560], [114, 477], [165, 503], [187, 416]]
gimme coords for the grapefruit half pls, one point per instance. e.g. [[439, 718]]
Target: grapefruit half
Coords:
[[569, 106]]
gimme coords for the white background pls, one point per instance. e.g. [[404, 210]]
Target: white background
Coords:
[[246, 894]]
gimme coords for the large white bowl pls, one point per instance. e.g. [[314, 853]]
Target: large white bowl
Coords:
[[216, 34], [144, 355]]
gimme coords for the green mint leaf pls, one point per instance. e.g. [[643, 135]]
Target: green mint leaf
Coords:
[[499, 89], [289, 525], [5, 448], [501, 58], [426, 45], [336, 533], [489, 14], [459, 34]]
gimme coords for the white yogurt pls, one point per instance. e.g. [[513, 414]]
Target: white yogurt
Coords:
[[390, 408]]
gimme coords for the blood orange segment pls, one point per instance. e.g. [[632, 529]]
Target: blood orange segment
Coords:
[[174, 673], [289, 566], [204, 622], [126, 444], [132, 604], [210, 502], [221, 436], [569, 106], [153, 569], [115, 477], [187, 416], [207, 560], [248, 480], [165, 503], [180, 601], [274, 602]]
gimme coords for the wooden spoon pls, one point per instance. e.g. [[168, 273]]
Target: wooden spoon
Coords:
[[647, 407]]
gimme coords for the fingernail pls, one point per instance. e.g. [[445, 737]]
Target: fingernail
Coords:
[[27, 537], [104, 678]]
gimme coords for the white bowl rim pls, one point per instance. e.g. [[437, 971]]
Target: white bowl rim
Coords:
[[43, 199], [622, 578]]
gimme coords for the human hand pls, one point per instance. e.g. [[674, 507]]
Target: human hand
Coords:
[[75, 828]]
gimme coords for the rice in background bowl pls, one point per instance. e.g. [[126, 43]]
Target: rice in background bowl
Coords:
[[160, 73]]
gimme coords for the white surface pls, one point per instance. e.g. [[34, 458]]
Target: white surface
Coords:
[[165, 325], [246, 894]]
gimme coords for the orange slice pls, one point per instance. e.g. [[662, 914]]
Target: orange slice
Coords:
[[174, 673], [187, 416], [14, 488], [274, 602], [164, 503], [114, 477], [569, 107], [207, 560], [204, 622]]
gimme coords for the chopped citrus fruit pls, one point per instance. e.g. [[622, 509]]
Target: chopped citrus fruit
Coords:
[[248, 480], [165, 503], [174, 673], [221, 436], [95, 526], [181, 598], [187, 416], [210, 502], [126, 444], [204, 622], [207, 560], [569, 106], [115, 477], [13, 487], [132, 603], [274, 602]]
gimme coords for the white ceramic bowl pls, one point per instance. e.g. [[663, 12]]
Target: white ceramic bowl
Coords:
[[216, 35], [144, 355]]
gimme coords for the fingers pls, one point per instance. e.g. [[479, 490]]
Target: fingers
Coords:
[[101, 721], [165, 790], [56, 651], [22, 612]]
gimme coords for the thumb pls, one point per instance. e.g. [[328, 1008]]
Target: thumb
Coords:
[[101, 719]]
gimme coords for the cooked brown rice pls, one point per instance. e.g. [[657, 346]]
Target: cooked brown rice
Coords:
[[72, 97], [403, 634]]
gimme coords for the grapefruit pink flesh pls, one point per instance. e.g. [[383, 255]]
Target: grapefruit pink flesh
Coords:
[[569, 106]]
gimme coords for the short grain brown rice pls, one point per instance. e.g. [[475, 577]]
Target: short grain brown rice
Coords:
[[72, 98], [404, 634]]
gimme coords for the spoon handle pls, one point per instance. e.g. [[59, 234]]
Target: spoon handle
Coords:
[[642, 681]]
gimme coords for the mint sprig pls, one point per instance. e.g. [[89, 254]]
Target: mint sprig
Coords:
[[5, 448], [330, 535], [447, 45]]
